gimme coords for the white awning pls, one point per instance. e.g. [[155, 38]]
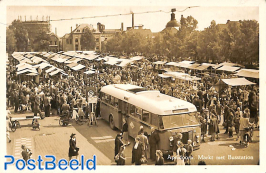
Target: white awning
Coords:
[[25, 61], [32, 74], [171, 63], [252, 73], [32, 70], [44, 65], [78, 67], [193, 66], [73, 60], [112, 62], [55, 72], [184, 65], [163, 76], [124, 62], [228, 68], [237, 82], [137, 58], [23, 65], [89, 72], [159, 62], [50, 69], [230, 64]]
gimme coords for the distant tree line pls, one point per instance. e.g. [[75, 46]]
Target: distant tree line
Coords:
[[19, 39], [236, 41]]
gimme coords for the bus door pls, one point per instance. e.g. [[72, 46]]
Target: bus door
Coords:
[[120, 116], [133, 121]]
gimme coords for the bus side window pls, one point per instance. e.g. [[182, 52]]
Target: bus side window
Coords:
[[126, 107], [138, 113], [146, 116], [112, 102], [102, 96], [160, 122], [106, 98], [116, 102], [154, 120], [132, 110]]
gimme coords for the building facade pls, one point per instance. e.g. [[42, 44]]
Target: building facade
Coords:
[[71, 41]]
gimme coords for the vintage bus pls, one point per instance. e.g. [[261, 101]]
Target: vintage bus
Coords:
[[149, 108]]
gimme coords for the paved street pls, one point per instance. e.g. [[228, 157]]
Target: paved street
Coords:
[[99, 140]]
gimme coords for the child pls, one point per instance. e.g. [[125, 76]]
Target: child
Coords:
[[189, 151]]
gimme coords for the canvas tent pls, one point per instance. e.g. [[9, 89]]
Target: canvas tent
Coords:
[[248, 73], [228, 68], [78, 67], [221, 84]]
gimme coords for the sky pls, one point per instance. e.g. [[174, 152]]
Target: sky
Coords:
[[154, 21]]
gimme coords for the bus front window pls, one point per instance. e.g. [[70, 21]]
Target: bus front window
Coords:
[[173, 121]]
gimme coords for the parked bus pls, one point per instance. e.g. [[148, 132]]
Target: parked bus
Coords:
[[149, 108]]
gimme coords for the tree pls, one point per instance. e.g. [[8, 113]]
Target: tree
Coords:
[[41, 42], [87, 40], [21, 35], [249, 41], [10, 41]]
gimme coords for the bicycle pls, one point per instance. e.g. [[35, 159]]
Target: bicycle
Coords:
[[14, 125]]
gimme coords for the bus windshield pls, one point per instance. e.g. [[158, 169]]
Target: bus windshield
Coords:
[[173, 121]]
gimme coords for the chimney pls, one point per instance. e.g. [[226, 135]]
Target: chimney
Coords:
[[122, 26], [98, 26], [49, 18], [77, 25], [173, 16], [37, 18], [132, 20], [55, 31], [227, 21], [71, 29], [25, 18]]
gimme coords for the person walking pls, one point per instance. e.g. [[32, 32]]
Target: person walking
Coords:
[[137, 152], [144, 141], [214, 129], [237, 123], [73, 149], [26, 153], [121, 156], [125, 132], [154, 139], [118, 143], [47, 105]]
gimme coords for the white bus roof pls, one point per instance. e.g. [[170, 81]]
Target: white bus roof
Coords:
[[149, 100]]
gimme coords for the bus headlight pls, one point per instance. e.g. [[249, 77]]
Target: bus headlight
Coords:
[[197, 139], [171, 139]]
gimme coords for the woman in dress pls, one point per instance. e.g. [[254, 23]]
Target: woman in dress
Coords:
[[73, 149], [137, 152]]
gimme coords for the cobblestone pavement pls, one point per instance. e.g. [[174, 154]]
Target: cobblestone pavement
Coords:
[[51, 139]]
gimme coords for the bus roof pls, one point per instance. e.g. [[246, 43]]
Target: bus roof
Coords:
[[149, 100]]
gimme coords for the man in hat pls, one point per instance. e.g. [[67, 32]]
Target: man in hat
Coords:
[[153, 140], [118, 143], [47, 105]]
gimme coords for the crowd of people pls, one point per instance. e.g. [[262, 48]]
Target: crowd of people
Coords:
[[49, 94]]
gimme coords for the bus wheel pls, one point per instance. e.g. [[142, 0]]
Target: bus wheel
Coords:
[[111, 122]]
